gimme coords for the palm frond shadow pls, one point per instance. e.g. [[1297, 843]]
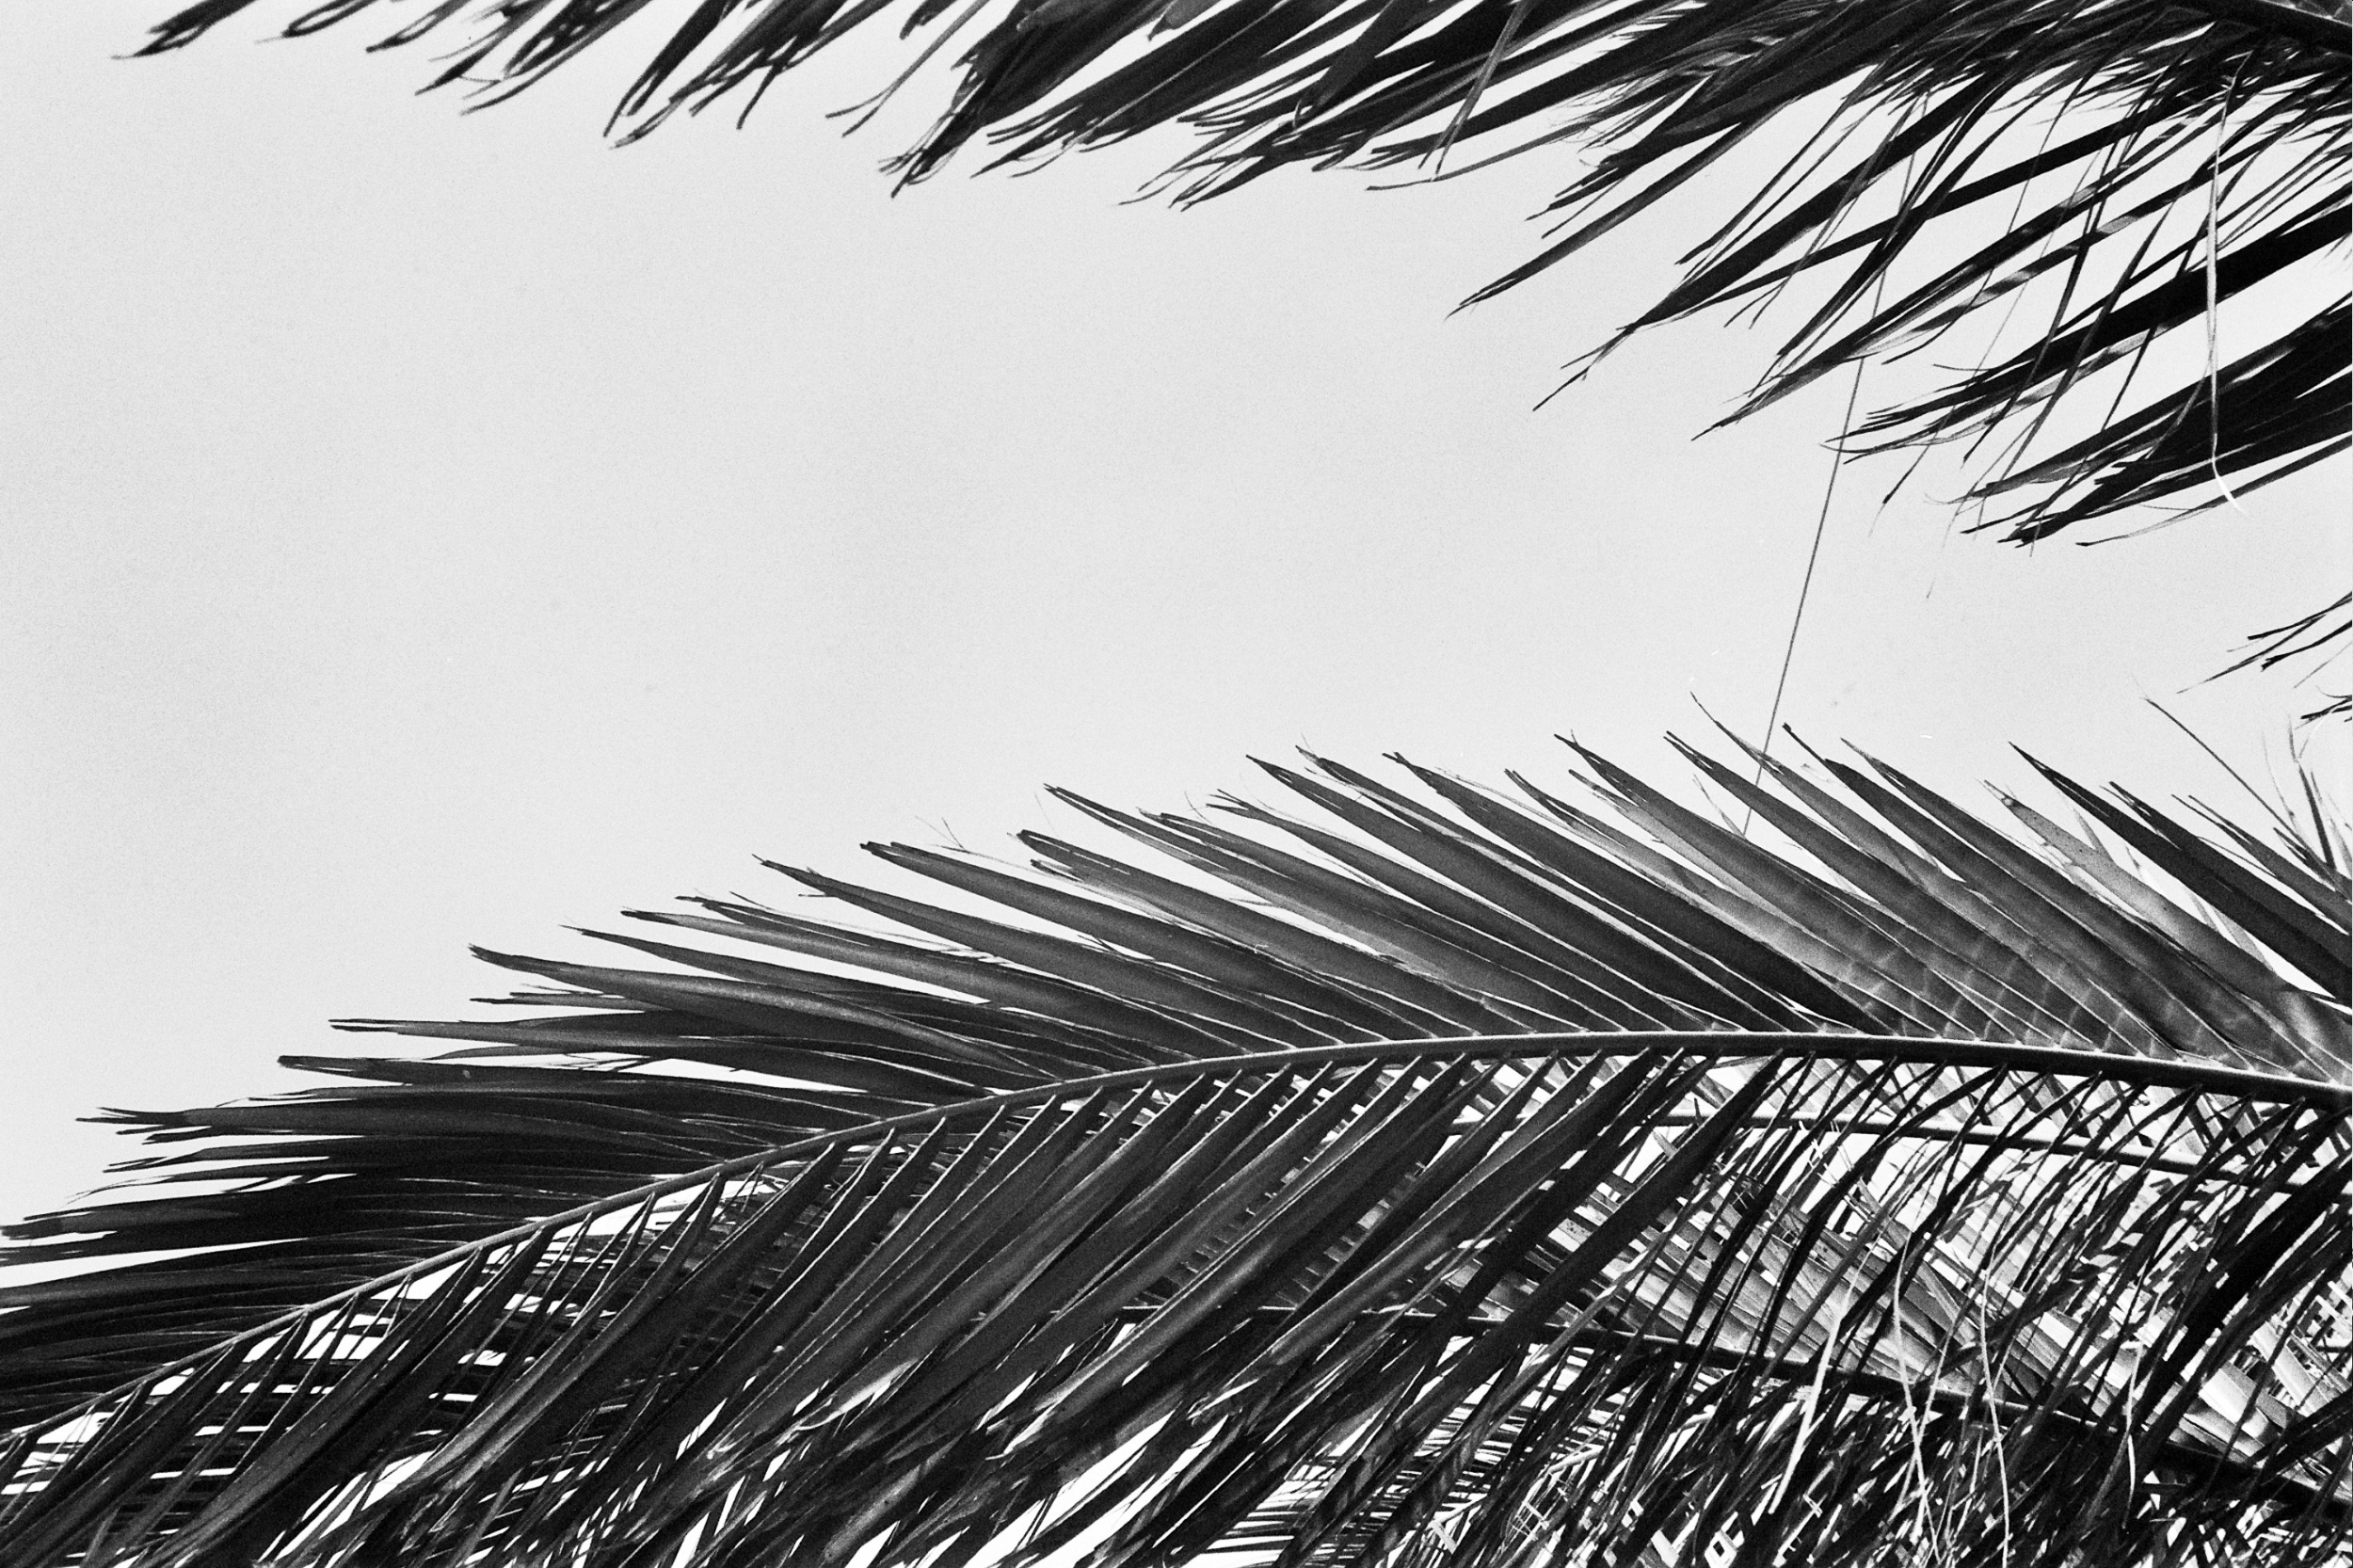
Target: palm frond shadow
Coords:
[[1447, 1175]]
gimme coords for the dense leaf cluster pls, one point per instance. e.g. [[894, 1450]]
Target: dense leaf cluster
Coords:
[[1466, 1178]]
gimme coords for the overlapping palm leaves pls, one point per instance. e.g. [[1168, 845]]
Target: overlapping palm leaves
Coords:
[[2082, 190], [1436, 1174]]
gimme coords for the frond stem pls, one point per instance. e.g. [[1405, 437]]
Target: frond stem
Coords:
[[2328, 1099]]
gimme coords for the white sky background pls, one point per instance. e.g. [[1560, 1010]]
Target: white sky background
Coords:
[[426, 528]]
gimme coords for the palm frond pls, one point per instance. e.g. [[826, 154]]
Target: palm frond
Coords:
[[2082, 190], [1435, 1174], [2316, 637]]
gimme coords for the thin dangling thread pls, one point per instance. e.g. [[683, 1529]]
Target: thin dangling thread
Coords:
[[1805, 592]]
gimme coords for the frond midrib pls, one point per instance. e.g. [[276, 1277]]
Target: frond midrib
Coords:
[[2326, 1098]]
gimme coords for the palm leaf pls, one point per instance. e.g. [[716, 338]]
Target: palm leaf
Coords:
[[2322, 631], [1439, 1175], [2130, 174]]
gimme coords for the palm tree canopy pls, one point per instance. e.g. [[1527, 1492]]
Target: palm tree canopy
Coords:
[[2070, 192], [1433, 1175]]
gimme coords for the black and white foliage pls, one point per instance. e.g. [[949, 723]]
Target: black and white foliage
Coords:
[[1430, 1175], [2070, 195]]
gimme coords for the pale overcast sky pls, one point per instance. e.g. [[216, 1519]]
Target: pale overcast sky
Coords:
[[426, 528]]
